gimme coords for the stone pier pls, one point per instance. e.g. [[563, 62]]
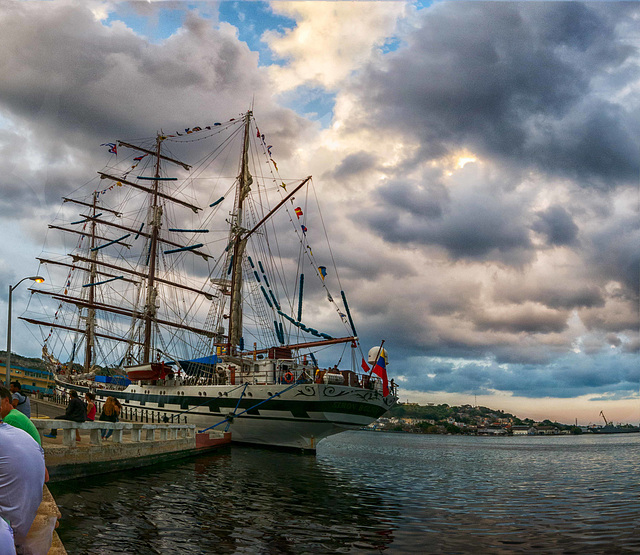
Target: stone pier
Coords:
[[132, 445]]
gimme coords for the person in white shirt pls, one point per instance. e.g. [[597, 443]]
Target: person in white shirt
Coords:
[[22, 473], [7, 547]]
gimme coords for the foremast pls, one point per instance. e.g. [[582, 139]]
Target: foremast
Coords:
[[97, 272], [92, 275]]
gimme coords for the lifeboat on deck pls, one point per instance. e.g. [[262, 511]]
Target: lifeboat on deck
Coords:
[[151, 371]]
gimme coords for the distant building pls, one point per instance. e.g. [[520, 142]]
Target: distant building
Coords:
[[492, 431], [547, 430], [30, 379], [518, 430]]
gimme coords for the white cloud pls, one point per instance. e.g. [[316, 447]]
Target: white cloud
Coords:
[[330, 40]]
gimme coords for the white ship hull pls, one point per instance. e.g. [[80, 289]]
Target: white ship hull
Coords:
[[299, 417]]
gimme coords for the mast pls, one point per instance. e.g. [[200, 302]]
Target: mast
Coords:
[[91, 313], [100, 272], [156, 222], [244, 186]]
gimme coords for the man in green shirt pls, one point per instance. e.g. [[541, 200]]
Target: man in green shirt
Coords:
[[14, 417]]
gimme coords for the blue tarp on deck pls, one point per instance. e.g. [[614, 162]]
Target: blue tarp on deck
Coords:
[[118, 380], [198, 365]]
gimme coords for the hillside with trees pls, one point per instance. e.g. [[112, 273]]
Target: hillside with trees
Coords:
[[443, 418]]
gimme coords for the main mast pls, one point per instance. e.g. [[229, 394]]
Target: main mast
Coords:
[[244, 186], [156, 222]]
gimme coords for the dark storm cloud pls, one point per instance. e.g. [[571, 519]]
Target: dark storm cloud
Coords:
[[615, 253], [70, 83], [472, 222], [556, 295], [557, 225], [570, 376], [529, 83], [422, 201], [354, 164], [523, 319]]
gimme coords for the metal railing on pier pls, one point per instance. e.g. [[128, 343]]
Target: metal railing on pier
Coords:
[[131, 414]]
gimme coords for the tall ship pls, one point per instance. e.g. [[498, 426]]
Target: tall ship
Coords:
[[206, 291]]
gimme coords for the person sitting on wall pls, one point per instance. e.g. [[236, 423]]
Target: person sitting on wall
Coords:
[[90, 399], [76, 412], [110, 413], [22, 476], [20, 401]]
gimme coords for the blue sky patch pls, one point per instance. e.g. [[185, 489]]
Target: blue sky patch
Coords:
[[252, 19], [312, 102]]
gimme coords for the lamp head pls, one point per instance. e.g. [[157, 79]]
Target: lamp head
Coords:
[[37, 279]]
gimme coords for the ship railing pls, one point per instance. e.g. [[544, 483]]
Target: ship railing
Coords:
[[135, 432]]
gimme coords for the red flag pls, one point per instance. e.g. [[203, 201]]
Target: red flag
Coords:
[[365, 366], [298, 212], [380, 369]]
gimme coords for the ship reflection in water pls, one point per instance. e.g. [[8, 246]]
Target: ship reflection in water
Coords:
[[366, 492]]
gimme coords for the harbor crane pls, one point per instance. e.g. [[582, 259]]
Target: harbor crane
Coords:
[[605, 419]]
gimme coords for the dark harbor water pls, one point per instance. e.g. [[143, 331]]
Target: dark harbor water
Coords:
[[366, 492]]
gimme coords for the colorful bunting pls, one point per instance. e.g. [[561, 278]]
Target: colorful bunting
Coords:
[[323, 272], [298, 212], [196, 129]]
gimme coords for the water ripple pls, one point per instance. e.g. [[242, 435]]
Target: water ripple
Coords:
[[369, 492]]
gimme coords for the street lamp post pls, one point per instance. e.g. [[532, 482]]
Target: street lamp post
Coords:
[[37, 279]]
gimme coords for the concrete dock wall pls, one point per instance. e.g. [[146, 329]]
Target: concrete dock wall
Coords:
[[42, 530], [132, 445]]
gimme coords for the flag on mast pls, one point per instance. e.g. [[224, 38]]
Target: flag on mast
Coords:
[[380, 370]]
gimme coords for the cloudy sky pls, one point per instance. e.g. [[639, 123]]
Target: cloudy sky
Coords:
[[480, 162]]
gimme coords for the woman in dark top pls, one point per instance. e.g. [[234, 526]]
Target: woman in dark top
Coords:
[[76, 412]]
